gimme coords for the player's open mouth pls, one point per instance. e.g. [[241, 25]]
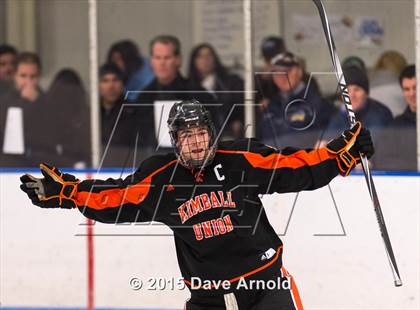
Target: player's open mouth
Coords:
[[197, 151]]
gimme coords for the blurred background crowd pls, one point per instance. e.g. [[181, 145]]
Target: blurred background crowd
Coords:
[[52, 124]]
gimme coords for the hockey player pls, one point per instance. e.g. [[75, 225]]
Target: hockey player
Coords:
[[208, 194]]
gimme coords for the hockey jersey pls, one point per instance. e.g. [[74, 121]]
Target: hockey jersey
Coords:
[[220, 228]]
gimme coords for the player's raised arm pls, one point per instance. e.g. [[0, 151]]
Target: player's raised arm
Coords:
[[294, 170], [110, 201]]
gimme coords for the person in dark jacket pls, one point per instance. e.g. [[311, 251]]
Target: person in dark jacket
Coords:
[[401, 154], [374, 114], [270, 46], [65, 116], [118, 126], [208, 193], [408, 84], [207, 71], [297, 110], [167, 87], [137, 73], [19, 112], [8, 56]]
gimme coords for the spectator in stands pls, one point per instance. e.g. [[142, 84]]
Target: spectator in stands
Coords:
[[270, 47], [168, 85], [350, 61], [296, 108], [8, 55], [65, 115], [19, 112], [384, 83], [354, 61], [373, 114], [111, 91], [408, 84], [136, 69], [399, 151], [207, 71], [117, 121], [26, 79]]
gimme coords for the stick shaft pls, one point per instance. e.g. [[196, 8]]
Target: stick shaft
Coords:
[[352, 119]]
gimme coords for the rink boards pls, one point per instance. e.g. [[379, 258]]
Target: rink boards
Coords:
[[334, 251]]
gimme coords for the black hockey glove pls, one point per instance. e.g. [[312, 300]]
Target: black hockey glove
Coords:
[[55, 190], [350, 145]]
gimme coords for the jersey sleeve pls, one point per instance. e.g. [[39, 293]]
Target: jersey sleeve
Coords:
[[289, 170], [132, 199]]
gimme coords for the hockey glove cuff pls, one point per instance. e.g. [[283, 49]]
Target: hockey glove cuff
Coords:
[[55, 190], [349, 147]]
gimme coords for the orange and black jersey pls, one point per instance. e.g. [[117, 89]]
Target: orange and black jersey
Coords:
[[220, 227]]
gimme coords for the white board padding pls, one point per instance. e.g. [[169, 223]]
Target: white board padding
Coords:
[[14, 141], [43, 249]]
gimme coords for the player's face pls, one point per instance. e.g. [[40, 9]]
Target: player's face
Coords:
[[409, 92], [164, 62], [358, 96], [27, 74], [204, 61], [287, 79], [7, 66], [193, 143], [110, 88]]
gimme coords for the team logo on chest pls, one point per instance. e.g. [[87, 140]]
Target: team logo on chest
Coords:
[[203, 202]]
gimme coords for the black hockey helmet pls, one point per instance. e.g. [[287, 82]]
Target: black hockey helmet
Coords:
[[188, 114]]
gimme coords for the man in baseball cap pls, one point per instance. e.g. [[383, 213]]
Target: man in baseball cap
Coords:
[[296, 107]]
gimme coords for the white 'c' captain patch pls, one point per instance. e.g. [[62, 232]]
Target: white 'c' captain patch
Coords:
[[217, 173]]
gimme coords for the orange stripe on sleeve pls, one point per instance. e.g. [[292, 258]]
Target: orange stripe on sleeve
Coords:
[[276, 161], [114, 198]]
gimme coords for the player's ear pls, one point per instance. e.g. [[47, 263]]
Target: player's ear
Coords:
[[178, 139]]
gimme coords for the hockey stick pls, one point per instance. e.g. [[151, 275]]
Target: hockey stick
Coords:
[[352, 119]]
